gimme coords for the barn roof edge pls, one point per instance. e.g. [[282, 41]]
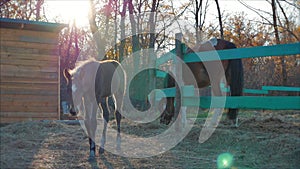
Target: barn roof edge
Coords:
[[31, 25]]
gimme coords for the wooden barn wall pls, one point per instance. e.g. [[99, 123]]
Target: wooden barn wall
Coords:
[[29, 75]]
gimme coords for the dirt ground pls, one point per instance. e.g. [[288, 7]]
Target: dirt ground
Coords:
[[265, 140]]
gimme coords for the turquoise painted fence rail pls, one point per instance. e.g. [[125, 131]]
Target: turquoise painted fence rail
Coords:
[[187, 91], [166, 57], [190, 91], [246, 102], [281, 88], [239, 53], [242, 102]]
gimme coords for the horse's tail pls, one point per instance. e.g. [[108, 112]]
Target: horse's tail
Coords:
[[236, 83], [121, 91]]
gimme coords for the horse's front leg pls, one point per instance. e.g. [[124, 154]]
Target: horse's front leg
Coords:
[[91, 125], [232, 114]]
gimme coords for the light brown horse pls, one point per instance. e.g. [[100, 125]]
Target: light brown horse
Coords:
[[233, 70], [93, 84]]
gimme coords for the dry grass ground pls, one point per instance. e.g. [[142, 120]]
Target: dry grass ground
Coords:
[[264, 140]]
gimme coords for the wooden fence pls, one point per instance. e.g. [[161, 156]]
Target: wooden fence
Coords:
[[245, 102]]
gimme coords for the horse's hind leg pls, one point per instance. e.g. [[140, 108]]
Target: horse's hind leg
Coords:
[[232, 115], [236, 85], [106, 119], [118, 101], [118, 118], [169, 112]]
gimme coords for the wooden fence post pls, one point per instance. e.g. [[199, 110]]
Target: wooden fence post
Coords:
[[178, 77]]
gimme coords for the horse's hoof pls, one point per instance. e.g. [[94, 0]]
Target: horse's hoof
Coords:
[[101, 150], [118, 148], [165, 121], [92, 156], [91, 159], [236, 123]]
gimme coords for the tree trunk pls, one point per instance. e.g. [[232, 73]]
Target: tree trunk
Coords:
[[152, 23], [122, 27], [282, 59], [134, 37], [198, 20], [92, 18], [116, 12], [38, 9], [151, 53], [96, 34], [220, 19]]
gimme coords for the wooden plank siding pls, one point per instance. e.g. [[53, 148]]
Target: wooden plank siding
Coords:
[[29, 73]]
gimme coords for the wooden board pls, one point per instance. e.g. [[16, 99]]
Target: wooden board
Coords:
[[27, 98], [27, 56], [30, 103], [14, 34], [19, 50], [28, 108], [28, 45], [20, 119], [28, 114]]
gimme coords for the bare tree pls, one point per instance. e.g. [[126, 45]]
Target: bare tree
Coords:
[[134, 32], [274, 19], [99, 37], [122, 27], [27, 10], [200, 16], [220, 19]]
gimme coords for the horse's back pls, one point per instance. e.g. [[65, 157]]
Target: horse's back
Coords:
[[109, 67], [107, 79]]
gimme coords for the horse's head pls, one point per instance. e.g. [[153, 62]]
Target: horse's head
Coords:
[[83, 80], [76, 76]]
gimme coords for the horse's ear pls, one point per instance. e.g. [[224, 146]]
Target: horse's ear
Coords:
[[67, 75]]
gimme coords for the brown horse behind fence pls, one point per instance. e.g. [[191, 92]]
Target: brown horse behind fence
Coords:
[[233, 70]]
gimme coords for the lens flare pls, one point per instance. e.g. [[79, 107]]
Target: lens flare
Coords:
[[225, 160]]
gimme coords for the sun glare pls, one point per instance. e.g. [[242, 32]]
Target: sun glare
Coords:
[[68, 11]]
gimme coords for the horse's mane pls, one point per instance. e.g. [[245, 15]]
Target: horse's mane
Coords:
[[200, 47], [81, 64]]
